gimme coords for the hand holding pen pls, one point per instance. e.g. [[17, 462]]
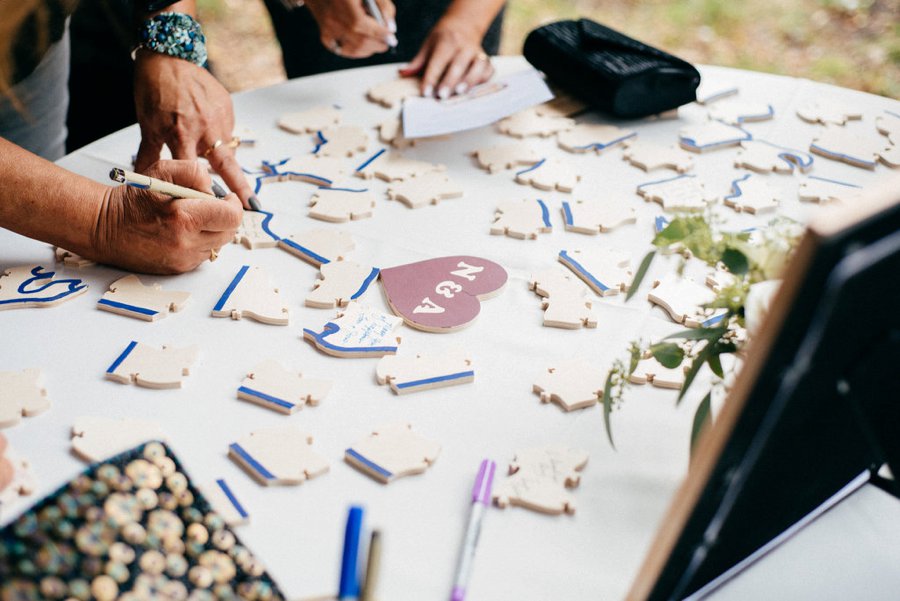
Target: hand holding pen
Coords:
[[355, 28]]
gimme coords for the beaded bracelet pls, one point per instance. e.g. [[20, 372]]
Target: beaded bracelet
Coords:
[[175, 34]]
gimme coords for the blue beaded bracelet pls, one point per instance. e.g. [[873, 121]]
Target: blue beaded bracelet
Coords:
[[175, 34]]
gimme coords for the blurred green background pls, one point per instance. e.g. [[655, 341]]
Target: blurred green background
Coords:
[[851, 43]]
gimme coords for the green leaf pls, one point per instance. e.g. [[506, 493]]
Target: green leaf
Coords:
[[607, 407], [735, 261], [699, 360], [715, 364], [674, 232], [699, 334], [634, 359], [668, 354], [639, 276], [701, 418]]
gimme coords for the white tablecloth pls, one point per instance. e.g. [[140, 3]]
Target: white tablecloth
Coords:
[[298, 530]]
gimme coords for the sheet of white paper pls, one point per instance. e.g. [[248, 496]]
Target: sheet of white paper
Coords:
[[480, 106]]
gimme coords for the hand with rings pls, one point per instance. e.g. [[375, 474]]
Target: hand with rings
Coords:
[[347, 30], [452, 61], [184, 107]]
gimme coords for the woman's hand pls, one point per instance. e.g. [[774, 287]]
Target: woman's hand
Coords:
[[6, 468], [451, 61], [147, 232], [183, 106], [346, 29]]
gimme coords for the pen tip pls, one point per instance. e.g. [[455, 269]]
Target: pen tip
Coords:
[[218, 190], [254, 203], [116, 174]]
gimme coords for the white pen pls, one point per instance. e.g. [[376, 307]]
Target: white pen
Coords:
[[156, 185], [481, 500]]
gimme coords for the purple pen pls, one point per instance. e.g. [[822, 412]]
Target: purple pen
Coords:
[[481, 499]]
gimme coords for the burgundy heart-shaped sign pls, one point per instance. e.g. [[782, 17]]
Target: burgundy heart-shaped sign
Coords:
[[444, 294]]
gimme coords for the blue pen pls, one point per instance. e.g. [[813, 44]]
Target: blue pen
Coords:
[[349, 585]]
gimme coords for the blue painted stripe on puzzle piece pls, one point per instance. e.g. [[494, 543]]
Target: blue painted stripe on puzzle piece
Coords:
[[736, 191], [237, 280], [567, 213], [322, 141], [266, 397], [265, 225], [331, 328], [255, 465], [532, 168], [127, 307], [578, 267], [545, 213], [369, 160], [692, 142], [231, 498], [769, 113], [370, 464], [832, 154], [663, 181], [601, 146], [436, 379], [305, 251], [660, 223], [324, 180], [713, 320], [365, 285], [344, 189], [834, 181], [892, 113], [122, 357], [38, 274]]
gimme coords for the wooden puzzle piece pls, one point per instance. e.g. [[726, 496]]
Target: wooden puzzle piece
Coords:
[[651, 371], [531, 123], [827, 112], [96, 438], [391, 166], [310, 120], [319, 246], [274, 387], [23, 483], [255, 232], [575, 384], [563, 105], [821, 190], [224, 502], [341, 141], [70, 259], [29, 286], [751, 194], [390, 132], [539, 478], [322, 171], [442, 294], [338, 205], [564, 302], [391, 93], [685, 301], [585, 137], [889, 124], [596, 215], [150, 367], [358, 331], [679, 193], [424, 372], [711, 135], [339, 283], [765, 157], [710, 92], [550, 174], [523, 219], [505, 156], [854, 147], [650, 156], [391, 452], [22, 393], [278, 456], [605, 271], [720, 278], [129, 297], [737, 112], [251, 294], [424, 189]]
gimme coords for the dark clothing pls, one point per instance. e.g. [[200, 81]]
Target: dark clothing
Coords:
[[41, 29], [304, 54]]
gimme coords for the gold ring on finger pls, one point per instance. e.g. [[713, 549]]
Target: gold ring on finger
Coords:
[[212, 148], [234, 142]]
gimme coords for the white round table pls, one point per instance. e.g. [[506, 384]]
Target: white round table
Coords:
[[298, 530]]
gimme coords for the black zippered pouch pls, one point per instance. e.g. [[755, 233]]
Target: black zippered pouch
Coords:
[[610, 71]]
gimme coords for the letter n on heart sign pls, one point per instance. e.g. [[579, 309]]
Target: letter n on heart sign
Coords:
[[444, 294]]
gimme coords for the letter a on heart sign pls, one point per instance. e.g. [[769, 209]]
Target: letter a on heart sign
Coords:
[[444, 294]]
